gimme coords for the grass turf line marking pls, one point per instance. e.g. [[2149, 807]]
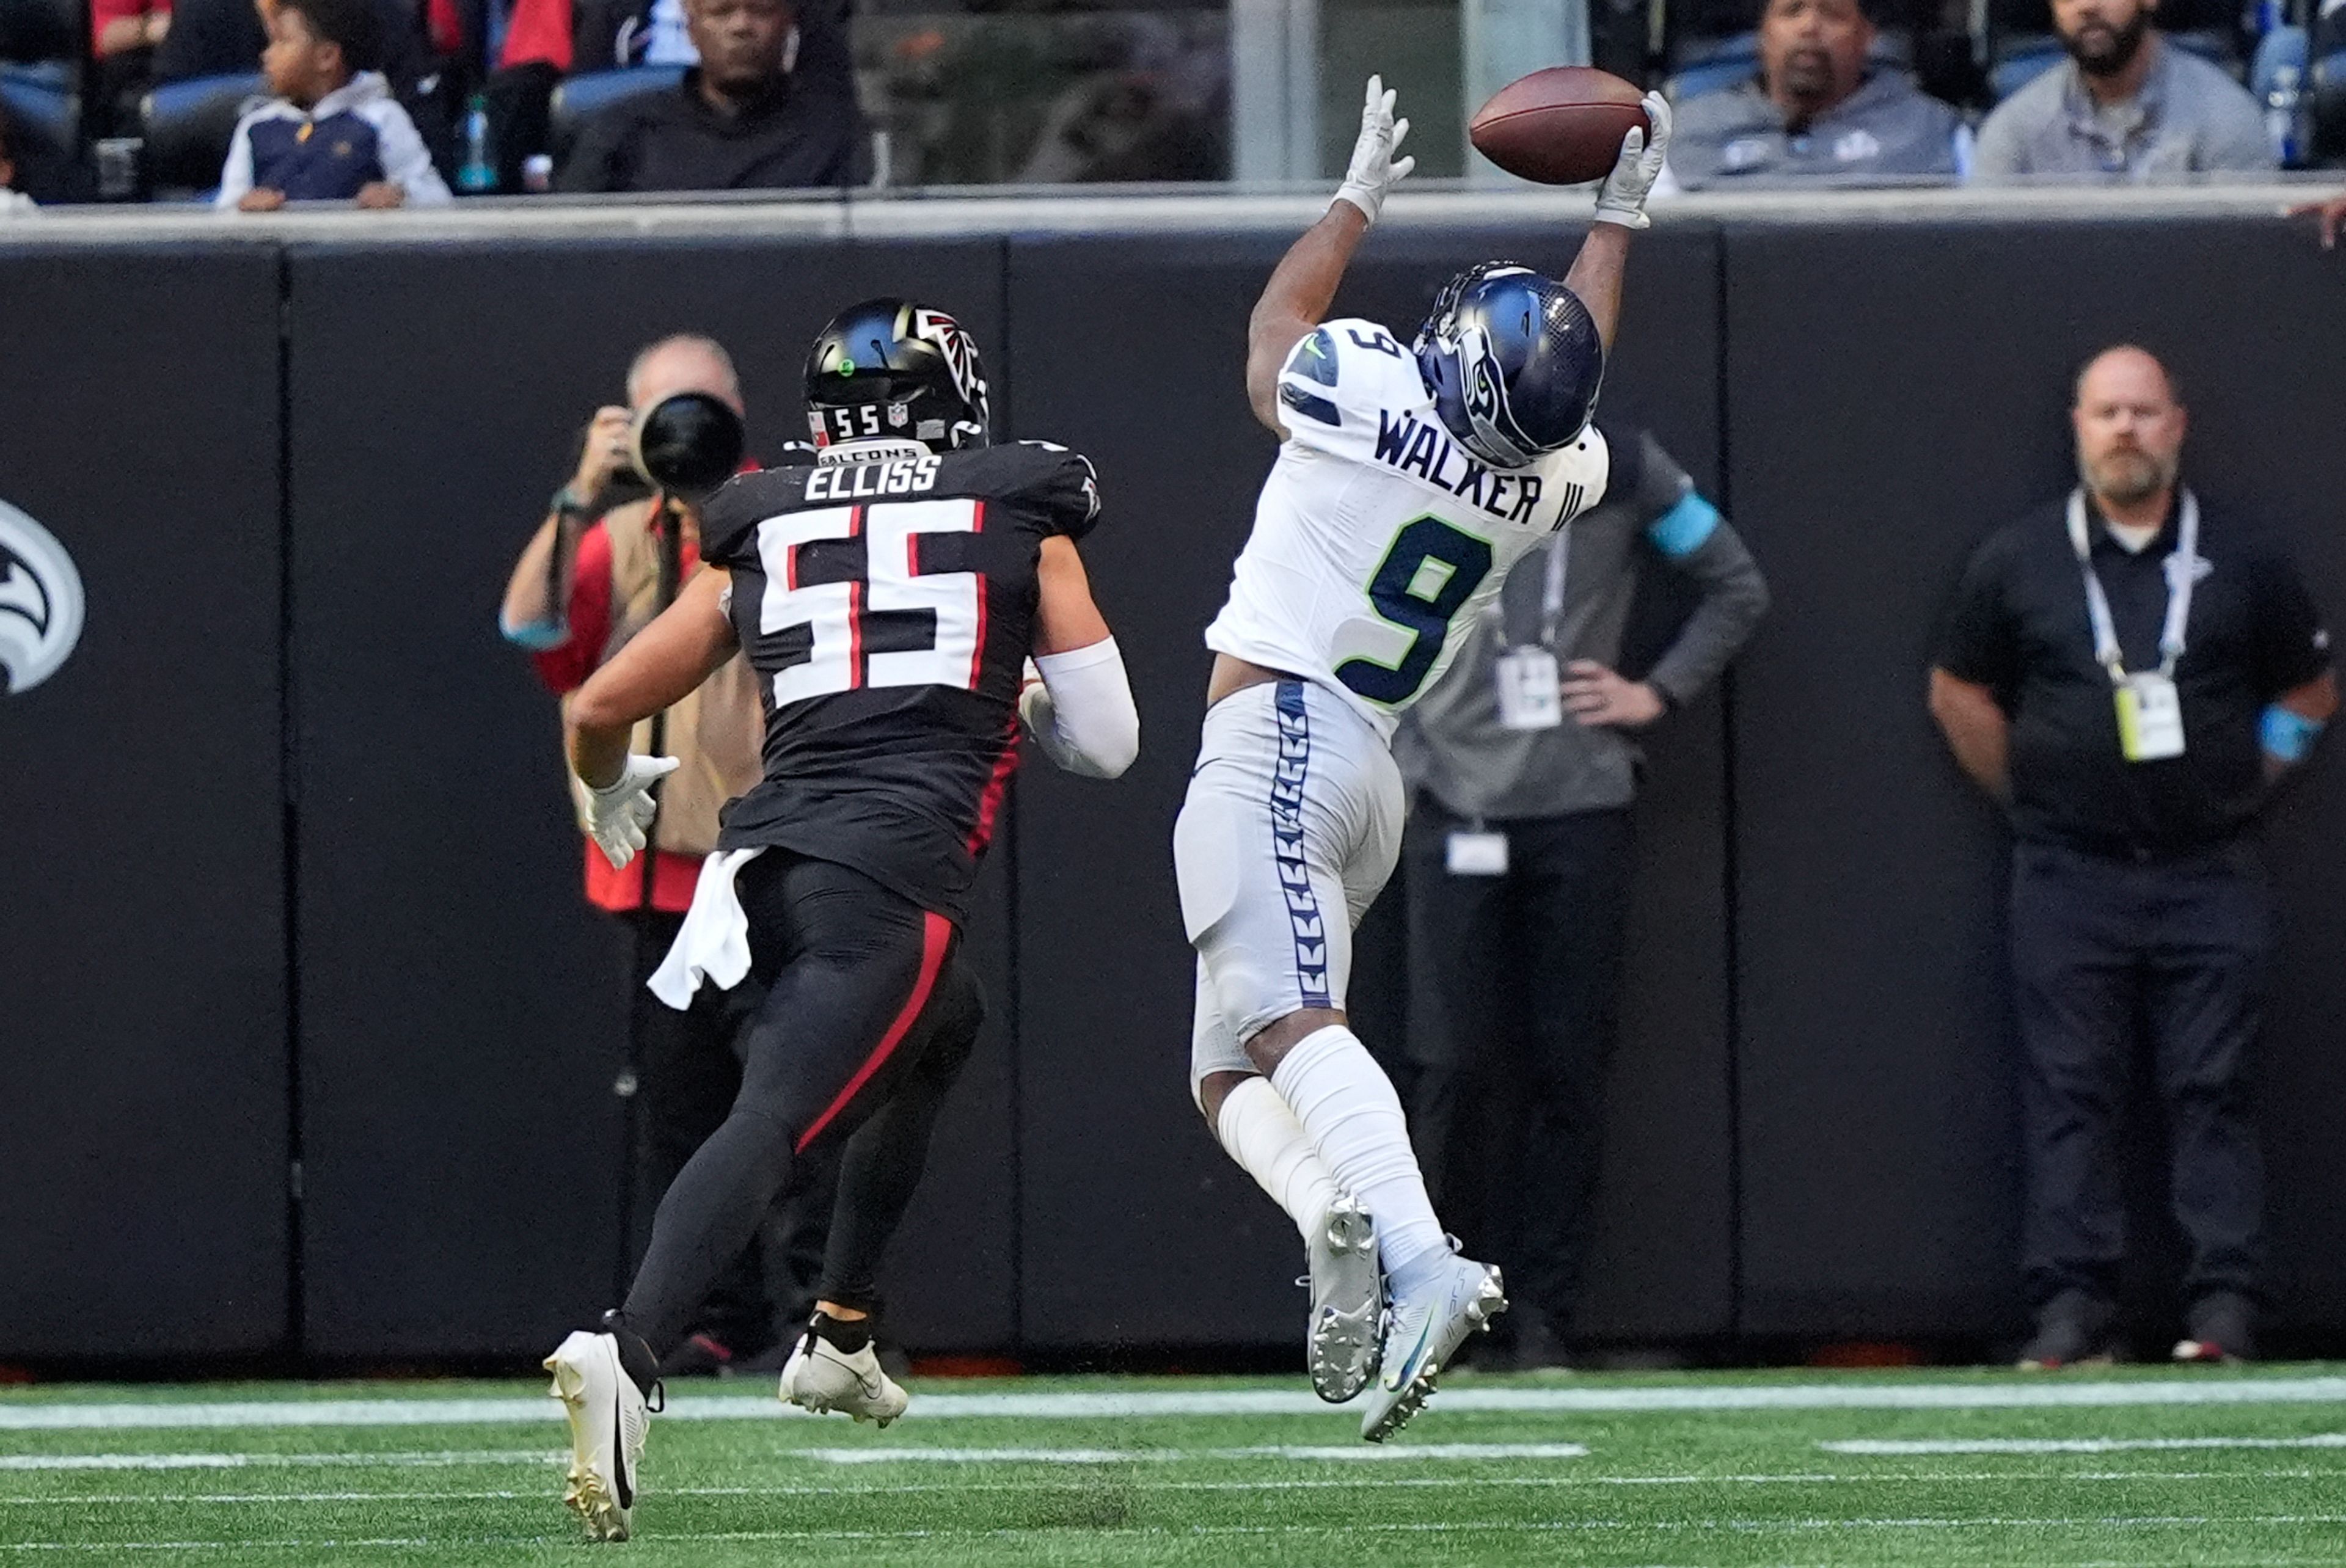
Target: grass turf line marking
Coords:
[[1448, 1451], [451, 1458], [1383, 1483], [30, 1415], [1418, 1527], [2070, 1445]]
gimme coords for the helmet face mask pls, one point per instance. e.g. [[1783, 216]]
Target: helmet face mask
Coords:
[[1513, 362], [887, 370]]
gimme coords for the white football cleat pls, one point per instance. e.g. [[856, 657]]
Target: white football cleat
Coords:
[[822, 1378], [608, 1420], [1348, 1304], [1427, 1329]]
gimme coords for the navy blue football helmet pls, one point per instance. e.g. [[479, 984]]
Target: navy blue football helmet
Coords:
[[889, 369], [1513, 360]]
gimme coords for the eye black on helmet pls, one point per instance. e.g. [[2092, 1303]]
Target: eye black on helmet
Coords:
[[892, 369]]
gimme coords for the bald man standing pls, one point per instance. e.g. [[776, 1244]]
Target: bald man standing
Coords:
[[2129, 676]]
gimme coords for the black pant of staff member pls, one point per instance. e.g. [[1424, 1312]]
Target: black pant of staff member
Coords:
[[2130, 676], [1525, 764]]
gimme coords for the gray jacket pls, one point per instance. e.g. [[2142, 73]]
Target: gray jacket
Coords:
[[2190, 119], [1452, 744], [1887, 130]]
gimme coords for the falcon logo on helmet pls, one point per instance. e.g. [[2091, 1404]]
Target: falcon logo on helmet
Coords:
[[1514, 361], [892, 369], [960, 350]]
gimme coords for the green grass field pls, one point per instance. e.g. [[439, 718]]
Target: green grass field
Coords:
[[2154, 1467]]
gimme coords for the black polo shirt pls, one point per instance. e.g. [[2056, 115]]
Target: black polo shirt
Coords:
[[790, 137], [2019, 626]]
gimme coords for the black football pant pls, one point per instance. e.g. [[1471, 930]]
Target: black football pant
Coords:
[[689, 1071], [866, 1021], [2111, 957], [1515, 1042]]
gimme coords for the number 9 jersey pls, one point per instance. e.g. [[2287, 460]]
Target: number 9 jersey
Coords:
[[886, 601], [1379, 539]]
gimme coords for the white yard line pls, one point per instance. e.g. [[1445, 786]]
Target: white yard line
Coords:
[[2070, 1445], [21, 1414], [1383, 1483], [1501, 1527], [1358, 1451], [452, 1458]]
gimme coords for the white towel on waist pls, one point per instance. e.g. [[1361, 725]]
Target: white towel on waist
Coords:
[[714, 941]]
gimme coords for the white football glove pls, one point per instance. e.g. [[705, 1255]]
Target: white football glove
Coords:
[[618, 814], [1623, 199], [1374, 170]]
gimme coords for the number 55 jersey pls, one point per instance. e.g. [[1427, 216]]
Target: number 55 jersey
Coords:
[[887, 604], [1378, 538]]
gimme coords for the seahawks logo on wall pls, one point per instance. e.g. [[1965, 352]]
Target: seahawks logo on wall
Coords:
[[40, 601], [937, 328]]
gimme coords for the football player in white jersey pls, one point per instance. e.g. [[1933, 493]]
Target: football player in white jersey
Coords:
[[1408, 482]]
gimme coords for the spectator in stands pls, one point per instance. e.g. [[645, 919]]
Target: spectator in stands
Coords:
[[740, 121], [223, 37], [124, 37], [2127, 105], [333, 132], [1517, 866], [547, 40], [587, 582], [210, 38], [14, 203], [1820, 109], [2128, 676]]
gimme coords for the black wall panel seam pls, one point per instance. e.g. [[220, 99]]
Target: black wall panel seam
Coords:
[[289, 724], [1730, 891], [1014, 935]]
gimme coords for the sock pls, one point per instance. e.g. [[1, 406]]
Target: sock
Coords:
[[1263, 1136], [636, 1358], [1347, 1105], [844, 1335]]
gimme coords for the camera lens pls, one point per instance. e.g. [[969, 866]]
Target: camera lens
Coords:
[[690, 443]]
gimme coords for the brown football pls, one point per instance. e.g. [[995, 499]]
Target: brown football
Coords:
[[1562, 126]]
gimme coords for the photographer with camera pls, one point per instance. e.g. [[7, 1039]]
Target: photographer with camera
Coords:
[[620, 538]]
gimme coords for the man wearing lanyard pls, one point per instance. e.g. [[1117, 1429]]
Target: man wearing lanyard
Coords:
[[1523, 767], [2129, 674]]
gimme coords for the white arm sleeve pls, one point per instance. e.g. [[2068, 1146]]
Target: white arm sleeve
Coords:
[[236, 174], [405, 161], [1080, 711]]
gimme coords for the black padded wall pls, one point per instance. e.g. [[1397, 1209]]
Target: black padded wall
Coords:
[[1865, 403], [142, 926]]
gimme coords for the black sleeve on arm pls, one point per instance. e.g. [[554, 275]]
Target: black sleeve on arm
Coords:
[[2292, 644], [836, 126], [1660, 483], [1975, 639], [593, 165], [1069, 487], [1625, 468], [1734, 598], [725, 518]]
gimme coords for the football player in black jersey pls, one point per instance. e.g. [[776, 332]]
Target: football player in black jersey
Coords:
[[888, 598]]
